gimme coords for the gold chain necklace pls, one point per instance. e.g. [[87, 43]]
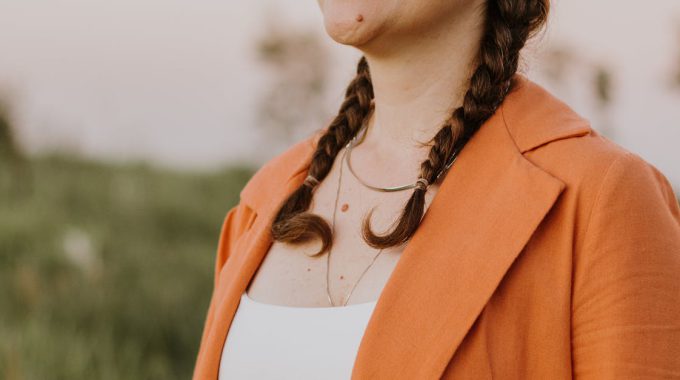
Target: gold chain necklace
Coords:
[[328, 257], [421, 182], [312, 182]]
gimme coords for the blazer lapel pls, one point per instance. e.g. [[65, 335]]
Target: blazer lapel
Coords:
[[486, 209]]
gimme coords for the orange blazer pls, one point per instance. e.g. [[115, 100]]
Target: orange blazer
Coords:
[[549, 252]]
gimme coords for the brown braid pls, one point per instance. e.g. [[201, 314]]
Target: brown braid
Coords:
[[292, 223], [508, 25]]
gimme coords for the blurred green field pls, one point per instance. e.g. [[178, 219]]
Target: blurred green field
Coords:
[[106, 270]]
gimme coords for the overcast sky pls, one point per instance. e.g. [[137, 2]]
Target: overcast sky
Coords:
[[175, 82]]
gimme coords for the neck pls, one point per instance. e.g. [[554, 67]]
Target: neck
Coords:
[[418, 82]]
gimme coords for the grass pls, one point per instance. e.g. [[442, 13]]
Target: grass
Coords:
[[106, 270]]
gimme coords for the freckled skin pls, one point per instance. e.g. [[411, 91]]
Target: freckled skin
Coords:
[[419, 52]]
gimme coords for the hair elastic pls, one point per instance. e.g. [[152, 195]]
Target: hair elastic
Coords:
[[422, 183], [311, 181]]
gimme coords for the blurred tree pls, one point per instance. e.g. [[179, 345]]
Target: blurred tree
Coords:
[[297, 62], [675, 79], [558, 59], [562, 61], [9, 149], [14, 174], [603, 85], [603, 88]]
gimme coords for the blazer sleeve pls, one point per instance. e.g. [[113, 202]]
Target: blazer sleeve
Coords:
[[238, 219], [626, 289]]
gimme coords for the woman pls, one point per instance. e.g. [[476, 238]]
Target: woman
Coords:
[[479, 226]]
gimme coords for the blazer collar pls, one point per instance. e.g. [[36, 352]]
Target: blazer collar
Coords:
[[484, 213]]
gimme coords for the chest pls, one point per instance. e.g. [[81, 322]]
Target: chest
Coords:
[[353, 271]]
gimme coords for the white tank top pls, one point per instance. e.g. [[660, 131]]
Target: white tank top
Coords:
[[267, 341]]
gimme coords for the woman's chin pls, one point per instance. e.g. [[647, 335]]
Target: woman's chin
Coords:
[[350, 22], [348, 35]]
